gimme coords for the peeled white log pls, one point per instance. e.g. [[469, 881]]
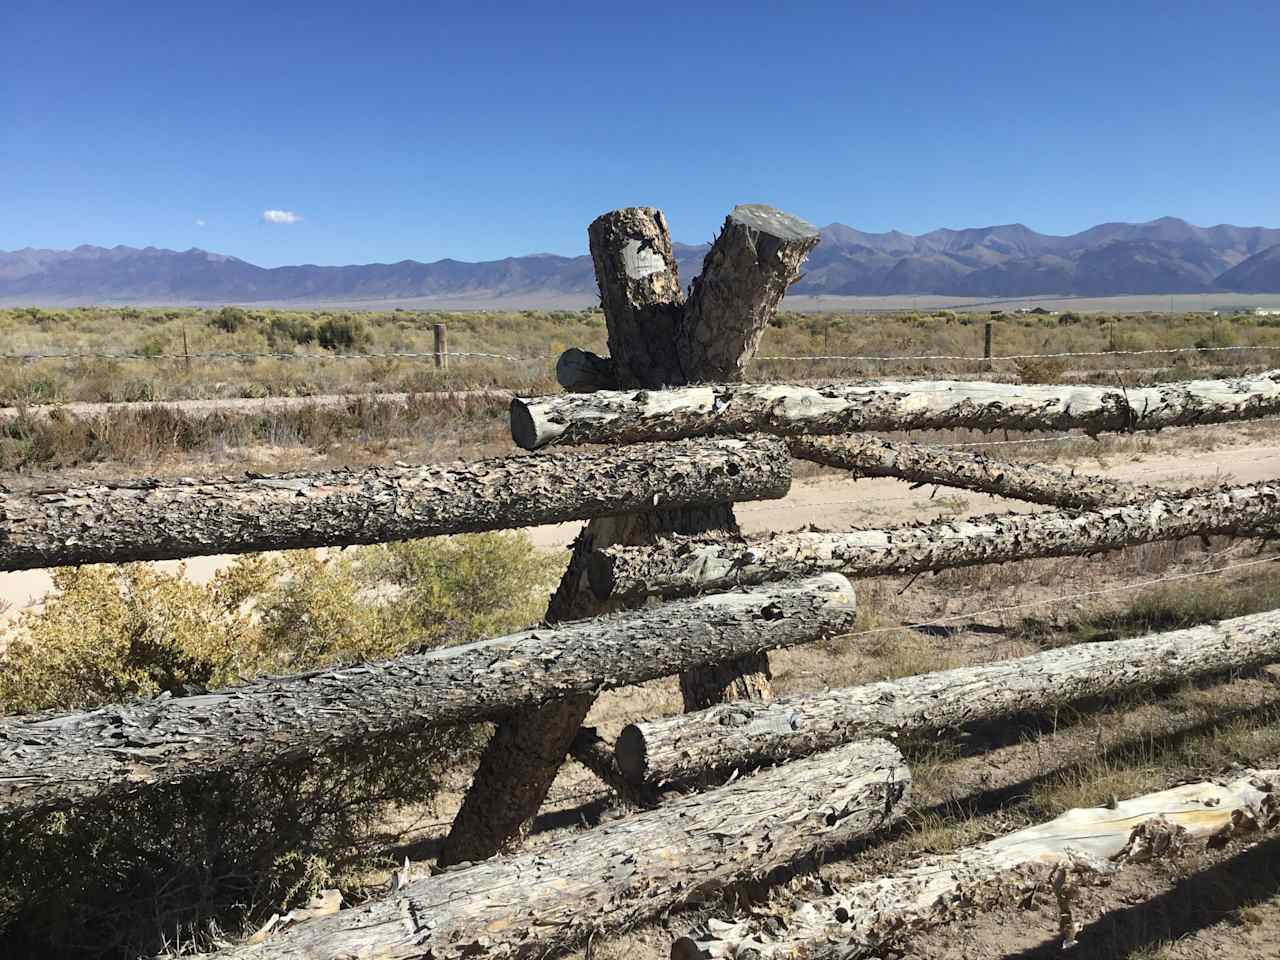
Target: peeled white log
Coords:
[[534, 904], [56, 759], [861, 919], [629, 416], [680, 565], [742, 735]]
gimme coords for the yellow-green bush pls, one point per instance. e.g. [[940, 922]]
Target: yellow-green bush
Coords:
[[175, 863]]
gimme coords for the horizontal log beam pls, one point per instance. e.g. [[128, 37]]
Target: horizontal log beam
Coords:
[[631, 416], [1055, 857], [923, 463], [164, 519], [681, 565], [743, 735], [536, 904], [55, 759]]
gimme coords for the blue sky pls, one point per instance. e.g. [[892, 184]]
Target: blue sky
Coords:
[[422, 130]]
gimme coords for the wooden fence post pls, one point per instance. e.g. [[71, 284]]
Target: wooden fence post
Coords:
[[441, 346], [986, 342]]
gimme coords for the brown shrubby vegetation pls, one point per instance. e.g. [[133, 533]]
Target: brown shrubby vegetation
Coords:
[[174, 865]]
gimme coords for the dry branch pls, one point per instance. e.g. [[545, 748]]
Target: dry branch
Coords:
[[922, 463], [1079, 845], [687, 565], [161, 519], [535, 904], [49, 759], [630, 416], [742, 735]]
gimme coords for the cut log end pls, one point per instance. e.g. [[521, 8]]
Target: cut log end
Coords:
[[630, 754], [777, 223], [581, 371]]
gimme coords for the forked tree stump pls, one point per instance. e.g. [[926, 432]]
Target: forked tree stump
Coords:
[[654, 343]]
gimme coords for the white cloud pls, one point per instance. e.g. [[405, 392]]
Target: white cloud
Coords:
[[280, 216], [199, 222]]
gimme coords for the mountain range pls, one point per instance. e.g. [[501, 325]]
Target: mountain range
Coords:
[[1165, 256]]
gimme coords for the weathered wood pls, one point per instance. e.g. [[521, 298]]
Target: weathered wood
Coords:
[[742, 735], [923, 463], [630, 416], [1082, 844], [535, 904], [640, 292], [686, 565], [581, 371], [46, 759], [162, 519], [747, 270]]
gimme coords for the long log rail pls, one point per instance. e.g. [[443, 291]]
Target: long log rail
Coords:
[[632, 416], [536, 904], [742, 735], [49, 760], [919, 463], [1056, 857], [167, 519], [682, 565]]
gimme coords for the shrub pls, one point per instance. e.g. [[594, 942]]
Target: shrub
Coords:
[[229, 319], [343, 333], [183, 861], [1041, 370]]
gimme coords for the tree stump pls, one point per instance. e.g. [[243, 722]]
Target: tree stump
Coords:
[[653, 342]]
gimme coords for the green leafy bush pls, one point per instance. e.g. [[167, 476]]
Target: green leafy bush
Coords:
[[180, 862]]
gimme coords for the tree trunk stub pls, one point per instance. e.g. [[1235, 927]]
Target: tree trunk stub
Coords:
[[885, 406], [55, 759], [539, 903], [1082, 845], [739, 736], [678, 566], [644, 312], [165, 519]]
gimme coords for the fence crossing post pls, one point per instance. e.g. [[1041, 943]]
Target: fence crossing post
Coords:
[[441, 346], [986, 341]]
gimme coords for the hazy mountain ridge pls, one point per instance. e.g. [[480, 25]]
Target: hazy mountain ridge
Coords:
[[1164, 256]]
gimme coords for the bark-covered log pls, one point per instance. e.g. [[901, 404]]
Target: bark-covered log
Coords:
[[687, 565], [161, 519], [616, 875], [641, 295], [749, 267], [742, 735], [630, 416], [581, 371], [923, 463], [45, 759], [1082, 844]]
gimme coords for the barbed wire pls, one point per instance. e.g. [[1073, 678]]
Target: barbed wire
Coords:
[[907, 358], [249, 355]]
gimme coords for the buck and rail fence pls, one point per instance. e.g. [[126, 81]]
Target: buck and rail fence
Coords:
[[662, 583]]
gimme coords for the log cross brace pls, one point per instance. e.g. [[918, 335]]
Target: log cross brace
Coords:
[[657, 339]]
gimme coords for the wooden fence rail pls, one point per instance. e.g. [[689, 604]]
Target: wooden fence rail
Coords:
[[631, 416], [741, 735], [535, 904], [682, 565], [165, 519], [48, 760]]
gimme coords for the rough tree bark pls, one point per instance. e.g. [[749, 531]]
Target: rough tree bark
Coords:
[[630, 416], [640, 292], [539, 903], [922, 463], [742, 735], [162, 519], [1082, 844], [679, 566], [581, 371], [753, 261], [46, 759]]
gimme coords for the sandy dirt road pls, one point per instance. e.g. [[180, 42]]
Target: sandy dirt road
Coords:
[[830, 501]]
